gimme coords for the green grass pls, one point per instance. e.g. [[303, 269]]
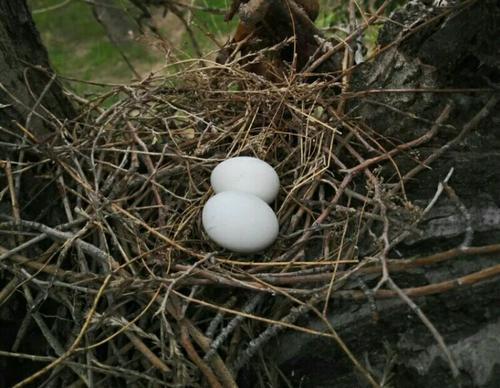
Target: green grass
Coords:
[[79, 47]]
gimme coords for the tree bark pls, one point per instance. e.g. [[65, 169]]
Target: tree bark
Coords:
[[27, 91], [453, 52], [31, 104]]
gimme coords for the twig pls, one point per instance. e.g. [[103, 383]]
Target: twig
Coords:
[[469, 231], [75, 343], [207, 372], [428, 324], [153, 358], [249, 307]]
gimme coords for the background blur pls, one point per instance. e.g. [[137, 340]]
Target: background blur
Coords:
[[115, 41]]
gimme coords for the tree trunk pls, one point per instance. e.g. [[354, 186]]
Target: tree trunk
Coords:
[[31, 105], [27, 91], [456, 55]]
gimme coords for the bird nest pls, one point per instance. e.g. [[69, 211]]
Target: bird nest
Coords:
[[116, 269]]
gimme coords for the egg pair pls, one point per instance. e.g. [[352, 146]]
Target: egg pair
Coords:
[[238, 217]]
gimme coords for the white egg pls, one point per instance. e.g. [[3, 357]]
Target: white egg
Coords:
[[240, 222], [247, 174]]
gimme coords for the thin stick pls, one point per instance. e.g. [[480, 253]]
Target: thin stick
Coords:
[[75, 343], [435, 333]]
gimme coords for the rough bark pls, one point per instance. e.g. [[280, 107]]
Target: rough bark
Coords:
[[458, 51], [32, 103], [30, 98], [25, 77]]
